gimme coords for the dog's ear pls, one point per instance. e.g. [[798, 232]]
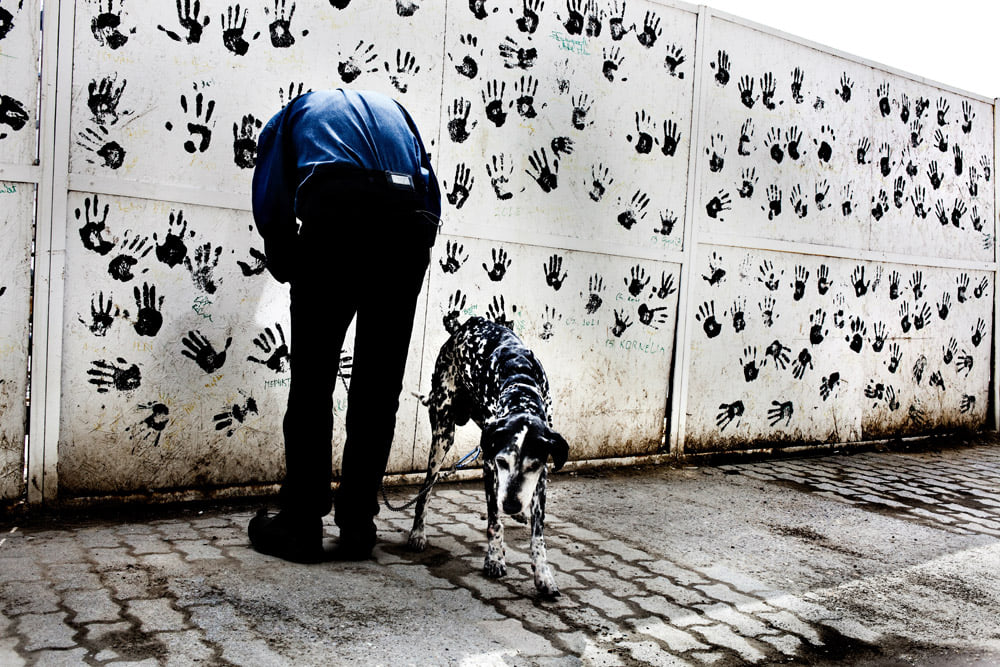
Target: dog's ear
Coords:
[[558, 449], [491, 439]]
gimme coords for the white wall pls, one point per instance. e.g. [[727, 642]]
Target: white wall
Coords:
[[19, 52], [620, 327]]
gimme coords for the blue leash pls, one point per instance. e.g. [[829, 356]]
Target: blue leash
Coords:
[[462, 463]]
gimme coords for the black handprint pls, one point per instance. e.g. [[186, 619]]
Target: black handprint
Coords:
[[773, 201], [258, 266], [829, 384], [918, 198], [792, 136], [779, 353], [948, 352], [857, 337], [858, 280], [800, 365], [863, 146], [890, 398], [918, 368], [898, 190], [453, 259], [101, 317], [904, 316], [622, 322], [981, 288], [652, 317], [668, 220], [293, 92], [883, 100], [528, 22], [717, 159], [978, 331], [551, 270], [738, 313], [562, 145], [233, 27], [749, 181], [942, 140], [596, 285], [612, 61], [106, 25], [200, 349], [173, 250], [149, 317], [499, 177], [280, 27], [594, 18], [823, 282], [130, 252], [875, 390], [745, 87], [187, 16], [275, 347], [799, 287], [93, 229], [547, 178], [574, 21], [245, 142], [600, 181], [798, 203], [715, 271], [651, 30], [767, 86], [98, 142], [200, 125], [749, 363], [895, 357], [706, 315], [880, 205], [120, 377], [526, 89], [825, 146], [458, 117], [358, 62], [968, 403], [643, 139], [846, 86], [675, 58], [934, 175], [637, 281], [461, 187], [727, 413], [767, 314], [671, 138], [103, 99], [721, 67], [232, 417], [963, 363], [203, 268], [957, 211], [880, 333], [456, 303], [666, 287], [773, 143], [581, 107], [746, 136], [501, 262], [820, 191], [515, 56], [817, 331], [635, 211], [406, 69], [780, 411], [847, 206], [717, 204], [768, 277]]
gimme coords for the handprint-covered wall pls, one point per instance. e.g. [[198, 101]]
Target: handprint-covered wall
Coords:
[[16, 216], [800, 145], [562, 134], [797, 348], [20, 40]]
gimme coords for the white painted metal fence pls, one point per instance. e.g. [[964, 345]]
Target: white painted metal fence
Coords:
[[714, 236]]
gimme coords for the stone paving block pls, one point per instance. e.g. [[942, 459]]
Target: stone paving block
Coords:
[[600, 600], [680, 616], [676, 640], [133, 582], [8, 656], [787, 644], [650, 653], [177, 530], [209, 522], [16, 568], [164, 564], [526, 611], [564, 562], [882, 500], [789, 622], [59, 658], [98, 537], [151, 543], [978, 528], [91, 606], [681, 575], [186, 648], [738, 580], [610, 581], [723, 635], [726, 594], [748, 626], [45, 631], [156, 615], [936, 516], [708, 657], [73, 576], [589, 651], [198, 550], [579, 533], [614, 564], [511, 632], [806, 610], [27, 597], [117, 558], [623, 550]]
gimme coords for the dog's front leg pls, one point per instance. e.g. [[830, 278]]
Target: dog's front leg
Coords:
[[545, 582], [495, 566]]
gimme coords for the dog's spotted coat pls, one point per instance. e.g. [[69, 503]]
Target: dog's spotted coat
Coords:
[[486, 374]]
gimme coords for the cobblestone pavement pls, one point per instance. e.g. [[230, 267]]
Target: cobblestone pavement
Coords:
[[872, 558]]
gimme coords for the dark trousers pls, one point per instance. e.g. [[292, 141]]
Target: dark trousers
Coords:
[[366, 261]]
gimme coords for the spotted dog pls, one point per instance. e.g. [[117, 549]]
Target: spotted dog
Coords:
[[485, 373]]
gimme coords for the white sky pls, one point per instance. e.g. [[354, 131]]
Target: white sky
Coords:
[[949, 41]]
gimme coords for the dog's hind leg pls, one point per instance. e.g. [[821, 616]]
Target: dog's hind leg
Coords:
[[442, 438], [495, 565], [544, 580]]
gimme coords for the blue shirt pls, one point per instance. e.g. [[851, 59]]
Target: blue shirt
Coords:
[[354, 128]]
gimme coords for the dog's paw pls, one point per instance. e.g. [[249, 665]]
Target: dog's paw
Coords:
[[494, 569], [546, 583], [417, 542]]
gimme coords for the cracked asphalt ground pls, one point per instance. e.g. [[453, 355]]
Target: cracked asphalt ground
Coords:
[[870, 558]]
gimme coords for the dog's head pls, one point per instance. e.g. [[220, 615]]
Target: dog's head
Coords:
[[518, 449]]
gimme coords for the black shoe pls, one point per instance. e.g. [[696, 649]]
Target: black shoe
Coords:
[[288, 537], [354, 545]]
